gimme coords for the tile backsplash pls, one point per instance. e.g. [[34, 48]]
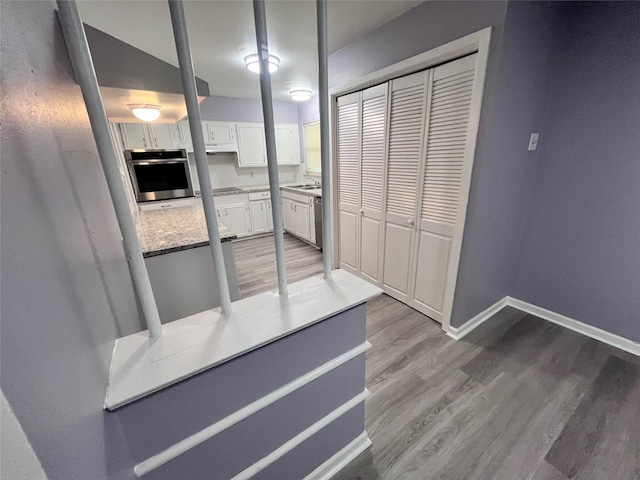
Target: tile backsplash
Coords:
[[225, 172]]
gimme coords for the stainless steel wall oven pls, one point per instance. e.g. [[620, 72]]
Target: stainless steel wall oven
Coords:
[[159, 174]]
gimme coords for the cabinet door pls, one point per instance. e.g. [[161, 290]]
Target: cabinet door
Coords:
[[289, 215], [251, 145], [236, 219], [134, 135], [406, 133], [348, 151], [302, 220], [374, 119], [269, 216], [445, 155], [220, 132], [285, 146], [258, 216], [184, 132], [161, 136]]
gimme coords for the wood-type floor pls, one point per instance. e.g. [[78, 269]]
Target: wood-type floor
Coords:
[[518, 398], [256, 263]]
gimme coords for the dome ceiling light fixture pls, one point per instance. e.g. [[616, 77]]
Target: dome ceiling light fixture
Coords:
[[145, 112], [300, 94], [252, 62]]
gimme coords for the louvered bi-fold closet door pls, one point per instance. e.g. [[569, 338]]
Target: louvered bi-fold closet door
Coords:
[[374, 120], [348, 153], [445, 155], [406, 130]]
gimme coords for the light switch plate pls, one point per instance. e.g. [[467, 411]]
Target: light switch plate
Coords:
[[533, 142]]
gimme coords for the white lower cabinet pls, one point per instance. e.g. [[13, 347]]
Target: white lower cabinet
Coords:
[[289, 215], [302, 220], [269, 216], [235, 218], [299, 215], [233, 212], [258, 210]]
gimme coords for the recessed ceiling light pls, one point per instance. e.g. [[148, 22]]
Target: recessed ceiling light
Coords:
[[252, 63], [145, 112], [300, 95]]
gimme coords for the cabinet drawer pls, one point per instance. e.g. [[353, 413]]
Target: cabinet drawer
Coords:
[[259, 195]]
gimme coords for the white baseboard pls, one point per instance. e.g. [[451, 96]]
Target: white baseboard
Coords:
[[341, 459], [475, 322], [588, 330], [570, 323]]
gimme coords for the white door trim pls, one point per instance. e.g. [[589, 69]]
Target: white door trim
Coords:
[[475, 42]]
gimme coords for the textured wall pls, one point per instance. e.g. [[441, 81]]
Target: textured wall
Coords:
[[503, 171], [66, 288], [581, 251]]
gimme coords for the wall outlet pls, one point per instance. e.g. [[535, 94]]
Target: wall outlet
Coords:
[[533, 142]]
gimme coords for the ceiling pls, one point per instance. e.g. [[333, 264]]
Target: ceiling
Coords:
[[222, 33]]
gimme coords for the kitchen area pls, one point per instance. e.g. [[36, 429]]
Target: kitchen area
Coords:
[[158, 171], [143, 98]]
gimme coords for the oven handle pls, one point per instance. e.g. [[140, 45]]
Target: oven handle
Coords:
[[135, 162]]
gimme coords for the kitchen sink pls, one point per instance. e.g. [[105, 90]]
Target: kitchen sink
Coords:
[[305, 187]]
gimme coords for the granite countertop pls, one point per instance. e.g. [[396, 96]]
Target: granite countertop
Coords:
[[311, 192], [217, 192], [174, 229]]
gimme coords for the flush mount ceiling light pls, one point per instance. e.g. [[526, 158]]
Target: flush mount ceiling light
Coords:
[[145, 112], [252, 63], [300, 95]]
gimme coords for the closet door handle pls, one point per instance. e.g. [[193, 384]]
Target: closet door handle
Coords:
[[410, 222], [362, 212]]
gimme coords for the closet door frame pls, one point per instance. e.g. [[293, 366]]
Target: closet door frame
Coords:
[[477, 42]]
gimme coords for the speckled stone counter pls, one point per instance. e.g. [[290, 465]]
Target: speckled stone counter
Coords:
[[173, 229]]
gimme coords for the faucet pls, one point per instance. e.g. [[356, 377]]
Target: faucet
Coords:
[[313, 178]]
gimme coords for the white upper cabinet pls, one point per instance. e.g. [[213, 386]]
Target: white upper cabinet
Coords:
[[220, 136], [162, 136], [252, 149], [185, 134], [247, 139], [135, 135], [287, 144], [251, 145], [141, 135]]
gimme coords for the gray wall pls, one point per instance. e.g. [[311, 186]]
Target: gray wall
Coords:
[[581, 251], [120, 65], [502, 177], [232, 109], [66, 288]]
